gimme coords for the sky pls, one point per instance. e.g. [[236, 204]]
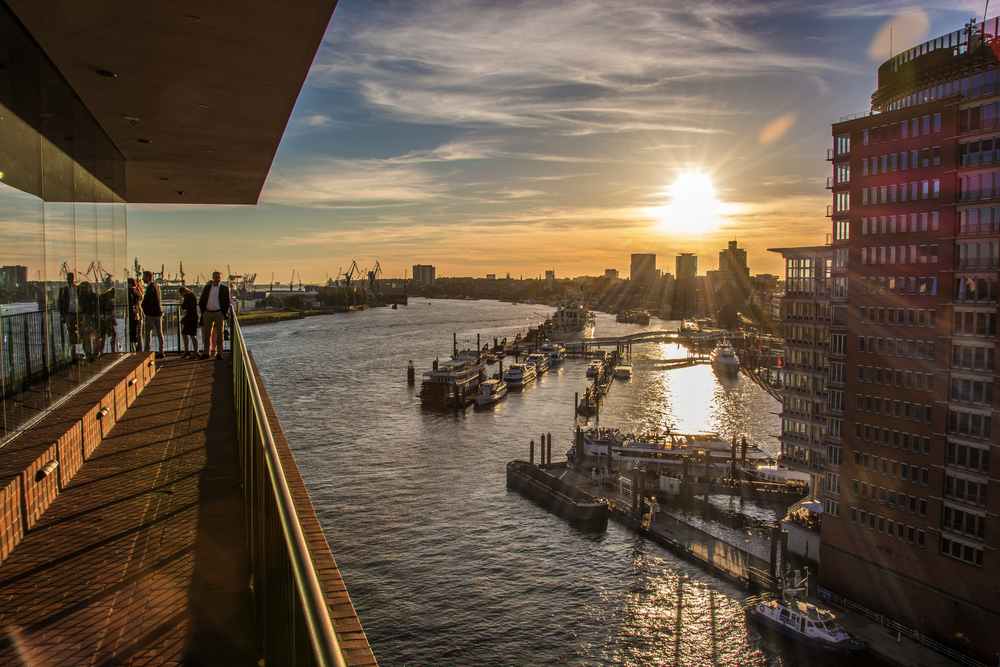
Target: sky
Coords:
[[518, 137]]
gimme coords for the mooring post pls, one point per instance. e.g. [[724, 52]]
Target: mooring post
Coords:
[[576, 402], [550, 448], [732, 460], [580, 453], [541, 451], [411, 374], [773, 567], [531, 452]]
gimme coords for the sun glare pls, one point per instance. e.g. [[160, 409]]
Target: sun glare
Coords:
[[693, 207]]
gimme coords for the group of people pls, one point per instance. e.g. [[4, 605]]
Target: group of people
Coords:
[[90, 319], [89, 316]]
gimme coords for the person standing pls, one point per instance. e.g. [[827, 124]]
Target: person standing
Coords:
[[107, 322], [134, 316], [215, 304], [69, 309], [189, 322], [86, 321], [152, 310]]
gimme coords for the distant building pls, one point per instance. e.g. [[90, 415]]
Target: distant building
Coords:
[[685, 302], [423, 275], [611, 273], [491, 276], [550, 275], [643, 267]]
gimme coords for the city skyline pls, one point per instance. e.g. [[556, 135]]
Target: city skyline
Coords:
[[493, 139]]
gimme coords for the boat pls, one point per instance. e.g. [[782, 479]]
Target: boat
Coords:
[[773, 474], [571, 320], [662, 451], [724, 359], [804, 622], [540, 361], [623, 370], [454, 381], [594, 368], [555, 351], [633, 316], [518, 375], [491, 391]]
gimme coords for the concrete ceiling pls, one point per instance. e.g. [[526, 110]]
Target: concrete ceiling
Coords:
[[211, 84]]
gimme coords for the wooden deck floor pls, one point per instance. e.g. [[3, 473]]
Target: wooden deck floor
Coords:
[[142, 558]]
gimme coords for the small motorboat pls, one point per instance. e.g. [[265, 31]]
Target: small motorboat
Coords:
[[491, 391], [802, 621], [594, 368]]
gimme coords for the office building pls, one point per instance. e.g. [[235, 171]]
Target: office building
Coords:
[[916, 234], [686, 289], [643, 268], [423, 275]]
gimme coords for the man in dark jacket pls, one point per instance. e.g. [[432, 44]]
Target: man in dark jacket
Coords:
[[152, 308], [214, 304], [69, 310]]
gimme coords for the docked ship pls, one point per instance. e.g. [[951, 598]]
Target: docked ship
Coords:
[[724, 359], [663, 451], [540, 361], [555, 351], [804, 622], [518, 375], [453, 382], [571, 321], [491, 391]]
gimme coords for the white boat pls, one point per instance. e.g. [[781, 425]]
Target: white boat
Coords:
[[540, 361], [518, 375], [594, 368], [555, 351], [724, 359], [491, 391], [623, 370], [804, 622], [663, 451], [571, 321], [453, 380]]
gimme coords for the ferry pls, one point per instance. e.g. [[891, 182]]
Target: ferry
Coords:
[[540, 361], [724, 359], [571, 321], [518, 375], [491, 391], [804, 622], [453, 380]]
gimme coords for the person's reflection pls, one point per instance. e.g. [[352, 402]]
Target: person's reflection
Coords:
[[108, 324], [69, 312]]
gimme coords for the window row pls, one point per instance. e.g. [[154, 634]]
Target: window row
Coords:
[[914, 286], [969, 457], [905, 441], [978, 186], [964, 490], [899, 192], [922, 157], [965, 552], [905, 129], [972, 357], [977, 255], [975, 221], [831, 507], [964, 522], [897, 316], [888, 468], [877, 345], [974, 119], [976, 289], [887, 255], [981, 151], [887, 224], [798, 334], [903, 379], [890, 527], [893, 408], [971, 323], [975, 392], [969, 424]]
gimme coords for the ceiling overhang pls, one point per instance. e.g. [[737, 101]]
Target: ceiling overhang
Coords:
[[210, 85]]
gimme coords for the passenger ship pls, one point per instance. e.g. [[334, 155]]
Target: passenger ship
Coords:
[[518, 375], [453, 381], [571, 321]]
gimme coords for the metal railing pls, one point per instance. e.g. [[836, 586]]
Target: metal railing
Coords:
[[904, 631], [293, 621]]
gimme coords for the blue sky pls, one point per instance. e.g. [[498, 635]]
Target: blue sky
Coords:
[[496, 137]]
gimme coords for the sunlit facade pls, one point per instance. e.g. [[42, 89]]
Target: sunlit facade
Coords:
[[915, 267], [806, 370]]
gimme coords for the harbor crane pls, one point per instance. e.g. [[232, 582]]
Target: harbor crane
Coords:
[[181, 274], [374, 294], [352, 274]]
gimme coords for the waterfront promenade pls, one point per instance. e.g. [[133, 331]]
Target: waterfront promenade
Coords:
[[142, 557]]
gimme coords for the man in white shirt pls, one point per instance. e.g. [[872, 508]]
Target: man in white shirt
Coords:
[[214, 304]]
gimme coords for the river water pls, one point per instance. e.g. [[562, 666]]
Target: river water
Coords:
[[447, 567]]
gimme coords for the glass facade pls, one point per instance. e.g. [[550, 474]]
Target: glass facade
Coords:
[[62, 210]]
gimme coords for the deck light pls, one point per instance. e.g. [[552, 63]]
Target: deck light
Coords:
[[106, 74], [46, 470], [102, 413]]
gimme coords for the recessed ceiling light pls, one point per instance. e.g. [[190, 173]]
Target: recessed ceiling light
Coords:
[[207, 151], [144, 141], [106, 74], [192, 17], [164, 178], [203, 106], [180, 192]]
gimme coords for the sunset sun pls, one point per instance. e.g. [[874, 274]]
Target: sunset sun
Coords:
[[692, 207]]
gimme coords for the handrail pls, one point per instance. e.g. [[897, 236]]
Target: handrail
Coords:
[[326, 650]]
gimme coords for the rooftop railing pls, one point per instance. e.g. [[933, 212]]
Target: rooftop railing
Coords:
[[293, 622]]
